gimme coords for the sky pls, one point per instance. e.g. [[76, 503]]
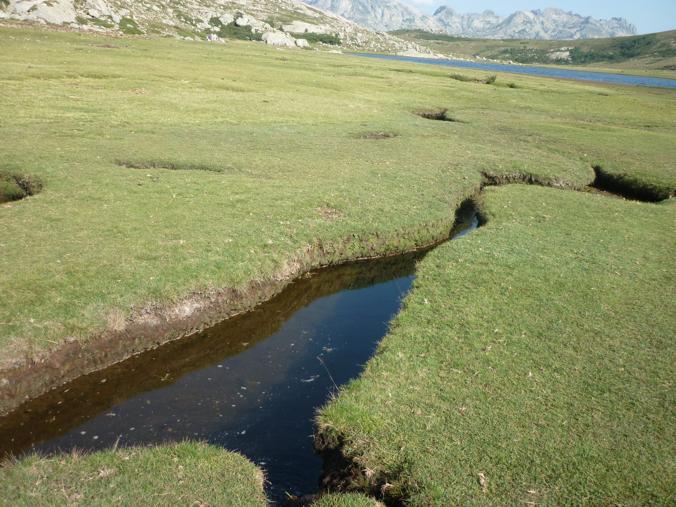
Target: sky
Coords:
[[648, 15]]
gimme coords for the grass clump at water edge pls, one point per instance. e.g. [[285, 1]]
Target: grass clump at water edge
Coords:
[[521, 368], [176, 474]]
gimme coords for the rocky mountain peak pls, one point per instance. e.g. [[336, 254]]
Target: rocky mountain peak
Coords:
[[549, 23]]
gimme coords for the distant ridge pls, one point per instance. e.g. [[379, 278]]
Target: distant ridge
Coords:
[[551, 23]]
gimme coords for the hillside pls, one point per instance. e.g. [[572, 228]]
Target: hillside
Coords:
[[543, 24], [277, 22], [642, 52]]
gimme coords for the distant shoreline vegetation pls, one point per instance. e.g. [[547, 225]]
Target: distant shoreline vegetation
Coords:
[[578, 52]]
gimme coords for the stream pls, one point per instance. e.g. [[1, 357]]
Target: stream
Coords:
[[250, 384]]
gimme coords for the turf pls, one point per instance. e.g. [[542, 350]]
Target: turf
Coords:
[[532, 363], [178, 474], [212, 166], [346, 500]]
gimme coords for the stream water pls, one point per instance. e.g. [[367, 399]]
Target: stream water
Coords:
[[250, 384], [534, 70]]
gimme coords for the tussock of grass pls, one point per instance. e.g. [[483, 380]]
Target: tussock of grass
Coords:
[[532, 362], [177, 474]]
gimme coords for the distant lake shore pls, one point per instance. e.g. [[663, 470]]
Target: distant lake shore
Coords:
[[533, 70]]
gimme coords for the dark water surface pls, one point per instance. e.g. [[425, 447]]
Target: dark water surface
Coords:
[[560, 73], [251, 383]]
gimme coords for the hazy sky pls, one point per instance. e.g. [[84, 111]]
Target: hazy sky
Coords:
[[647, 15]]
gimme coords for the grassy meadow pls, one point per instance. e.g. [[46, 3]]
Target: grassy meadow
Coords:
[[532, 362], [537, 351], [210, 165]]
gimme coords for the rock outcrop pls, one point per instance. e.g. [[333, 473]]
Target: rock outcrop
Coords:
[[207, 20]]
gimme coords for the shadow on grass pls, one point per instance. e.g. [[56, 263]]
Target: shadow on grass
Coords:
[[438, 114]]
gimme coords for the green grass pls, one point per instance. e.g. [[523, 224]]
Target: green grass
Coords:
[[129, 27], [538, 352], [346, 500], [177, 474], [653, 53], [106, 241]]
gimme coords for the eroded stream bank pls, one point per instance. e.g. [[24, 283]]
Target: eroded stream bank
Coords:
[[251, 383]]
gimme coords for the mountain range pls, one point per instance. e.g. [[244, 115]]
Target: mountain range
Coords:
[[551, 23]]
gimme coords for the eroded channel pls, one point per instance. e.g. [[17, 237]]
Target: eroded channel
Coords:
[[250, 384]]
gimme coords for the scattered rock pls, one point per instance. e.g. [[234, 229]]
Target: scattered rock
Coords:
[[411, 52], [243, 21], [54, 11], [226, 19], [279, 39]]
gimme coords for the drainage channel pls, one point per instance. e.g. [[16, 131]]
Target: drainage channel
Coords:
[[250, 384]]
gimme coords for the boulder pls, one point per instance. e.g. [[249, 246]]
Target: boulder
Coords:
[[302, 43], [55, 11], [243, 21], [226, 19], [280, 39], [97, 8]]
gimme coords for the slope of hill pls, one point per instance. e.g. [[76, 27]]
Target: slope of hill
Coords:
[[285, 20], [537, 24], [641, 52]]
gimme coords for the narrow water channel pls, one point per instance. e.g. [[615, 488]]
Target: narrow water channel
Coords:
[[250, 384]]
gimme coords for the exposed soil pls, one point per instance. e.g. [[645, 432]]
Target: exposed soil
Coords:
[[628, 187], [172, 166], [490, 179], [378, 135], [15, 186], [438, 114]]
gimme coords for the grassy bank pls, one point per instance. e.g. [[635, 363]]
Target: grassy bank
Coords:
[[164, 179], [532, 362], [179, 474], [346, 500], [652, 54]]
